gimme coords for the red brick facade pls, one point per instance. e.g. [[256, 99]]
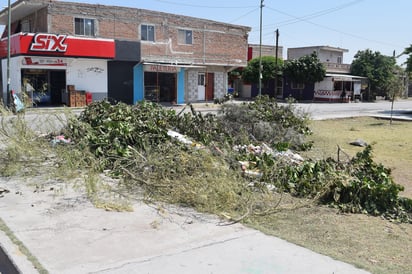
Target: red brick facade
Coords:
[[213, 42]]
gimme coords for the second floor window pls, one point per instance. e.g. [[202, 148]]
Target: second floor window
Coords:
[[185, 37], [84, 26], [147, 33], [25, 26]]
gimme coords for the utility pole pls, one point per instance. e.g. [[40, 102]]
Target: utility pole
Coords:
[[9, 97], [276, 64], [260, 49]]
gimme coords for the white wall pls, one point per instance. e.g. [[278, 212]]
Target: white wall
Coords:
[[89, 75], [330, 56], [85, 74], [325, 84], [15, 76]]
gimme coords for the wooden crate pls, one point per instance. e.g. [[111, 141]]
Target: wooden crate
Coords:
[[72, 99]]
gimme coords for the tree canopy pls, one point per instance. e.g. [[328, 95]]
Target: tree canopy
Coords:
[[378, 68], [408, 62], [306, 69], [251, 72]]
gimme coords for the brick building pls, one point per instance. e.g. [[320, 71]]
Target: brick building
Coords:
[[126, 54]]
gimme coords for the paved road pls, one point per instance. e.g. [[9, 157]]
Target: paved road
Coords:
[[318, 111], [44, 120]]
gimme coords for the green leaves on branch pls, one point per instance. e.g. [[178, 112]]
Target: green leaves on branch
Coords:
[[108, 129], [307, 69], [360, 186]]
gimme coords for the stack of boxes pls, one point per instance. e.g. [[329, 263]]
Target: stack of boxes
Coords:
[[77, 98]]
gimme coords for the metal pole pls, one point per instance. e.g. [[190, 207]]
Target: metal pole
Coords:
[[8, 53], [276, 65], [260, 50]]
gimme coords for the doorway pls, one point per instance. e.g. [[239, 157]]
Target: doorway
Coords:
[[43, 87], [210, 86], [201, 82], [160, 87]]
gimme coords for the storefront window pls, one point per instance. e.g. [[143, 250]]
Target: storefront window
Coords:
[[43, 87], [160, 87], [35, 85]]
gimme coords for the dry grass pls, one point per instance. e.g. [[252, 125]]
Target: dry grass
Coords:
[[372, 243], [392, 144]]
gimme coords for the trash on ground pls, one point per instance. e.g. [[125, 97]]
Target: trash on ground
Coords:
[[60, 139]]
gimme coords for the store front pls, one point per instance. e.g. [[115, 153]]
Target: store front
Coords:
[[339, 88], [42, 66], [159, 83], [42, 87]]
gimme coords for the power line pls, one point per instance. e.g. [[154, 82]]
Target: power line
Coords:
[[313, 15], [203, 6], [321, 13], [244, 15]]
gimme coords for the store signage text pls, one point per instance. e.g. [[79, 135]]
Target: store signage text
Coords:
[[159, 68], [48, 42]]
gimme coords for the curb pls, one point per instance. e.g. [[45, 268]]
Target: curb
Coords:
[[12, 260]]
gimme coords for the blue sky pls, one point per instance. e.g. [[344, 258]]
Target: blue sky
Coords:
[[379, 25]]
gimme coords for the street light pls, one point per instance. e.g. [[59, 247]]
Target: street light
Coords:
[[260, 49]]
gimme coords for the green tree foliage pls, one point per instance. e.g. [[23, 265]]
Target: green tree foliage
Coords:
[[379, 69], [408, 51], [307, 69], [251, 72]]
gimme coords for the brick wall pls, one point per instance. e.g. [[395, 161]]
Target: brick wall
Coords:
[[213, 42]]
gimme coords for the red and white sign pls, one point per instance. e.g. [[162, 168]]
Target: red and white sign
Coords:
[[43, 61], [48, 42]]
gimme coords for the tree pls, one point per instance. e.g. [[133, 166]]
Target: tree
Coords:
[[269, 67], [306, 69], [408, 62], [379, 69], [396, 87]]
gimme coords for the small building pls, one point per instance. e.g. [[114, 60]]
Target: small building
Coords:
[[331, 57], [340, 88], [126, 54], [337, 86]]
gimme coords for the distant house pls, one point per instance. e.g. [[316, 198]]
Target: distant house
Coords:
[[337, 86], [127, 54]]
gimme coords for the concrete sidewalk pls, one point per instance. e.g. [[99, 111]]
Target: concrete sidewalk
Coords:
[[67, 234]]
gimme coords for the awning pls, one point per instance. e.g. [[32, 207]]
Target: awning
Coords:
[[344, 77]]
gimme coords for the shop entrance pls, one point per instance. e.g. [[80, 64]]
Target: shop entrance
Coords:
[[210, 86], [160, 87], [43, 87]]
